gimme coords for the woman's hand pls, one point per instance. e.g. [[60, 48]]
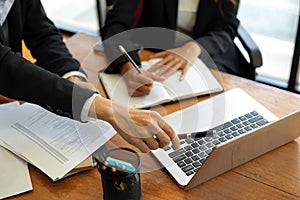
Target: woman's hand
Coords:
[[138, 84], [175, 59]]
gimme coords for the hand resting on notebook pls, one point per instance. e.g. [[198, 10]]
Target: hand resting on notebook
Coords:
[[175, 59], [171, 61]]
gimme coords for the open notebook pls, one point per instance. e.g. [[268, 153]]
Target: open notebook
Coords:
[[198, 81]]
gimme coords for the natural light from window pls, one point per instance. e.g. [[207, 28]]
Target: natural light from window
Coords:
[[273, 26]]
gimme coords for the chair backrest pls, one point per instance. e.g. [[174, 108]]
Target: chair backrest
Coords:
[[250, 46], [101, 12], [251, 54], [247, 55]]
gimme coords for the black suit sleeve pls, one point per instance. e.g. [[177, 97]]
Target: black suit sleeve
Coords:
[[22, 80], [44, 39]]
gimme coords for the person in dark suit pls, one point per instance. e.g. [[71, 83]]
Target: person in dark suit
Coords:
[[26, 20], [46, 82], [212, 24]]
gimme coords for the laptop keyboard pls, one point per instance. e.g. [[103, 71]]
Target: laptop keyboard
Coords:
[[195, 151]]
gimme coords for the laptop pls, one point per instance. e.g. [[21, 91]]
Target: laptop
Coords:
[[244, 130]]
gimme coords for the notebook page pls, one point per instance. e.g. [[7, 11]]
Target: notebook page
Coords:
[[116, 90], [198, 81]]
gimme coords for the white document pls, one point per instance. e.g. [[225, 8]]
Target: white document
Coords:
[[14, 176], [52, 143]]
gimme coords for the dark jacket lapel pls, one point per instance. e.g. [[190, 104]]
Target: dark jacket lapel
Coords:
[[2, 39], [15, 26], [171, 10]]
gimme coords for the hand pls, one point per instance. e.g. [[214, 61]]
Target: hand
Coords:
[[175, 59], [144, 129], [138, 84], [80, 82], [105, 165]]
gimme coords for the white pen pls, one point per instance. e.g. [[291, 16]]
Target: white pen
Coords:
[[122, 49]]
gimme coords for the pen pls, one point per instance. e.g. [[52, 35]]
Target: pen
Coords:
[[208, 133], [122, 49]]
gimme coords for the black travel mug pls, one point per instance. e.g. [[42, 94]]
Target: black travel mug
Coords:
[[124, 183]]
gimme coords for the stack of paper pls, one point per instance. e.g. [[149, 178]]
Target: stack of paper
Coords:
[[54, 144], [14, 176]]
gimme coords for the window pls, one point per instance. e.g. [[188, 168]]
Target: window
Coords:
[[73, 15], [273, 26]]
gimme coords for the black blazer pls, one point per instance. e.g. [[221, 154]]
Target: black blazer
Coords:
[[213, 30], [22, 80]]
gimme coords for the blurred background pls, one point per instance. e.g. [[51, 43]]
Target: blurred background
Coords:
[[273, 25]]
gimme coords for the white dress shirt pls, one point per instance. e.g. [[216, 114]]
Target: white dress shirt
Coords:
[[187, 14]]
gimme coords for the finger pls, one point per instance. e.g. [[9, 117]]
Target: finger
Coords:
[[155, 67], [145, 89], [159, 54], [176, 142], [137, 93], [142, 146], [137, 88], [123, 167], [163, 139], [134, 77], [151, 143], [142, 79], [169, 69], [155, 77], [184, 72], [166, 59], [113, 169], [161, 63], [165, 132], [170, 62], [166, 64], [172, 70], [163, 70], [170, 132], [104, 166]]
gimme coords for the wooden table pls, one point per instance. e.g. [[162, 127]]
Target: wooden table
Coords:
[[275, 175]]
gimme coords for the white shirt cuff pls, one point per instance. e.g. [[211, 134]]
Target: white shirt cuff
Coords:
[[75, 73], [86, 107]]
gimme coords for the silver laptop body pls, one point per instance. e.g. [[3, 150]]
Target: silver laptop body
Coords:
[[237, 141]]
